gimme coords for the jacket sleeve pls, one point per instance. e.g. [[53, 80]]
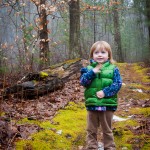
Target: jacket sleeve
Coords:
[[115, 86], [86, 77]]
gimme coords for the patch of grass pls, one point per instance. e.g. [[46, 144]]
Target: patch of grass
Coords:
[[65, 132]]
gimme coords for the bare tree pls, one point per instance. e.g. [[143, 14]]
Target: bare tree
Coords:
[[74, 41], [43, 33], [148, 18], [117, 34]]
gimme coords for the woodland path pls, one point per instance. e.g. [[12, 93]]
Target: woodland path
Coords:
[[134, 103]]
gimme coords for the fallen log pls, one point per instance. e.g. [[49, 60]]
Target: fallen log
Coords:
[[35, 84]]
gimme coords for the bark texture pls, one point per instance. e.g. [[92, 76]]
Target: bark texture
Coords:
[[43, 34], [47, 80], [74, 41], [148, 18], [117, 34]]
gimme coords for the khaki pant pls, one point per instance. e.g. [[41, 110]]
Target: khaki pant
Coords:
[[94, 120]]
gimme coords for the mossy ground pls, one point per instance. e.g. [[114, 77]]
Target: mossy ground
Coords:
[[71, 121], [65, 132], [134, 77]]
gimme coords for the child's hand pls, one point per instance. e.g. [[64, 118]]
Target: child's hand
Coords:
[[85, 63], [100, 94], [97, 68]]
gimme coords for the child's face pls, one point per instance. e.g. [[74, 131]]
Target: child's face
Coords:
[[100, 55]]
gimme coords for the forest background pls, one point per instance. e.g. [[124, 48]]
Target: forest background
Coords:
[[37, 33]]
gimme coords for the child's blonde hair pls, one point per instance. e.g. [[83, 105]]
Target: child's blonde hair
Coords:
[[102, 45]]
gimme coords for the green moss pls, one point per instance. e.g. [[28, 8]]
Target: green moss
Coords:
[[54, 140], [146, 144], [141, 73], [60, 68], [130, 141], [70, 121], [121, 65], [138, 95], [122, 137], [27, 121], [136, 66], [123, 124], [138, 86], [2, 114], [135, 79], [68, 62], [43, 74], [71, 61], [145, 79], [122, 133], [139, 69], [143, 111], [33, 145]]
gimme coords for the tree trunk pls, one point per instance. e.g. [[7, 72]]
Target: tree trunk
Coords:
[[117, 34], [148, 18], [43, 33], [74, 41], [94, 15], [48, 80]]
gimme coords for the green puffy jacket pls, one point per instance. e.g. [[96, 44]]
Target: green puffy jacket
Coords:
[[102, 80]]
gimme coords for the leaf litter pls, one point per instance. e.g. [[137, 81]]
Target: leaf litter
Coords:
[[47, 106]]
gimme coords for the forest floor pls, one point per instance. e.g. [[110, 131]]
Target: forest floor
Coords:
[[57, 121]]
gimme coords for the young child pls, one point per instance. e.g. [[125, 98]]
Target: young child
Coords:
[[102, 81]]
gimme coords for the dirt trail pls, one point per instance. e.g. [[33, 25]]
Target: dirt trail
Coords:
[[135, 89], [134, 104]]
